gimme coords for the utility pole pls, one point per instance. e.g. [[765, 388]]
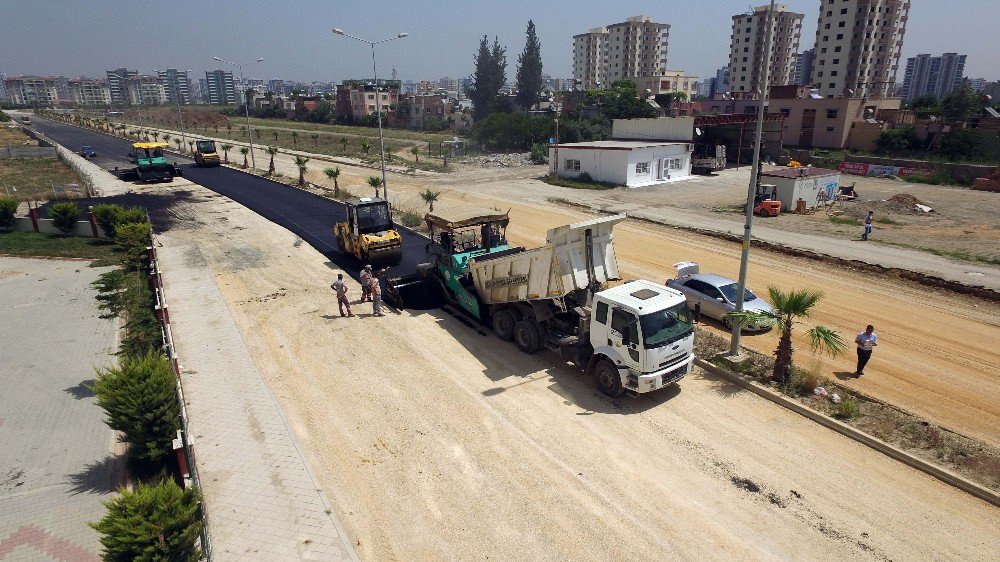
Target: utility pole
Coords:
[[734, 348]]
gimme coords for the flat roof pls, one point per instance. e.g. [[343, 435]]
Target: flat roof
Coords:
[[618, 144], [798, 172], [644, 296]]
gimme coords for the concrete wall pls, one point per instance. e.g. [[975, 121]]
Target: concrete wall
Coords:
[[964, 172], [83, 228], [658, 128]]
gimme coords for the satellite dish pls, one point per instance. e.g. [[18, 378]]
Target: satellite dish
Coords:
[[697, 131]]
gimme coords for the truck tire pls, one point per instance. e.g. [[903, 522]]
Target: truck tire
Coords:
[[527, 337], [607, 379], [503, 324]]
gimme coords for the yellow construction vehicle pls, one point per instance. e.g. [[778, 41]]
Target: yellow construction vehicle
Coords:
[[206, 154], [369, 233]]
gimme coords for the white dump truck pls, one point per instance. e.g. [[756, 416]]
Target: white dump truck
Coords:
[[567, 296]]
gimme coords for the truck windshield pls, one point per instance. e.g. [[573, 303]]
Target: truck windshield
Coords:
[[373, 218], [666, 326]]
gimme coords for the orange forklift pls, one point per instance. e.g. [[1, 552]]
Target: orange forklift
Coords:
[[765, 202]]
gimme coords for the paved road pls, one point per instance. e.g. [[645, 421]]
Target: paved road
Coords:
[[309, 216], [56, 464]]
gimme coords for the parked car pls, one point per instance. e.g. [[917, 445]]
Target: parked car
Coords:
[[715, 296], [88, 152]]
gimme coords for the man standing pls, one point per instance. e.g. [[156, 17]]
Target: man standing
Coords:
[[341, 288], [366, 277], [866, 341], [868, 225], [375, 289]]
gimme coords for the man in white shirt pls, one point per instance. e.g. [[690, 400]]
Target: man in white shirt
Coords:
[[866, 341]]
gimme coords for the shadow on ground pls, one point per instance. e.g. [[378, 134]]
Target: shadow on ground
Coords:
[[101, 477], [81, 390]]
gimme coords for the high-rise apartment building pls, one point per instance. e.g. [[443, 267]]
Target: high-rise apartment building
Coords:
[[635, 48], [118, 83], [146, 90], [91, 92], [932, 75], [857, 49], [803, 68], [177, 85], [34, 89], [220, 87], [3, 87], [746, 51]]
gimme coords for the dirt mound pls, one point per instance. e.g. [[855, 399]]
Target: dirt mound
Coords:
[[898, 204]]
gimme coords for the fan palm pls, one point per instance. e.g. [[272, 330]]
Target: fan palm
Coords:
[[333, 174], [275, 135], [301, 161], [315, 138], [366, 146], [430, 197], [225, 149], [416, 153], [272, 150], [244, 150], [343, 143], [375, 182], [789, 307], [179, 144], [295, 137]]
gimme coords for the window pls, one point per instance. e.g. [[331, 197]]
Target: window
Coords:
[[602, 312], [642, 168], [840, 36], [833, 73], [572, 165], [841, 24], [831, 113], [625, 324], [829, 129], [785, 111], [674, 164]]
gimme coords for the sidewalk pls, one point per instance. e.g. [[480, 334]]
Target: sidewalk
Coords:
[[262, 501]]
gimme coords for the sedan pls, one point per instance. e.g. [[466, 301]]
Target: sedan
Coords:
[[88, 152], [715, 296]]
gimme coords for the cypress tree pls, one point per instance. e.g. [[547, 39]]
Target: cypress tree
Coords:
[[489, 77], [529, 70], [153, 522]]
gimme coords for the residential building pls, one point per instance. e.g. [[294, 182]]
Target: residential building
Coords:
[[827, 122], [976, 83], [423, 110], [32, 90], [635, 48], [936, 76], [3, 87], [628, 163], [356, 98], [992, 89], [590, 57], [118, 83], [670, 81], [91, 92], [718, 84], [858, 43], [803, 68], [146, 90], [220, 87], [746, 51], [177, 85]]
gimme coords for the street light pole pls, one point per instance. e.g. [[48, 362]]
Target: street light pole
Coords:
[[734, 348], [378, 102], [246, 106], [177, 98]]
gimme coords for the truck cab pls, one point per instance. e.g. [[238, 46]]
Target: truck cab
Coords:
[[206, 154]]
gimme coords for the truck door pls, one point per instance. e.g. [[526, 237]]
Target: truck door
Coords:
[[623, 337]]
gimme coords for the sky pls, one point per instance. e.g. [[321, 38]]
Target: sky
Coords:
[[87, 37]]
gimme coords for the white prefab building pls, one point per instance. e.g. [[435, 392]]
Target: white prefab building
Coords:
[[813, 185], [628, 163]]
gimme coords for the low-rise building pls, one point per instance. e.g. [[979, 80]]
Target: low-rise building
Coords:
[[671, 81], [356, 99], [628, 163]]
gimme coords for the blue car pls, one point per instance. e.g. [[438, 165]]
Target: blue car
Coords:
[[88, 152]]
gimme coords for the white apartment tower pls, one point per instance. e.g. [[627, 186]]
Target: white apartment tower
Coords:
[[858, 43], [746, 52], [635, 48]]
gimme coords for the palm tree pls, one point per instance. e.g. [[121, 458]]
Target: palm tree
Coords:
[[430, 197], [343, 143], [300, 161], [366, 146], [416, 153], [244, 150], [166, 138], [179, 144], [156, 136], [334, 173], [375, 182], [256, 131], [191, 147], [243, 131], [226, 147], [789, 307], [275, 135], [272, 150], [315, 138], [216, 127], [229, 128], [295, 137]]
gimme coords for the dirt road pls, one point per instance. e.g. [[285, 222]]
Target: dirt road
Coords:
[[438, 442]]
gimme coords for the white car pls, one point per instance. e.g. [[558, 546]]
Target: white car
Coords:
[[715, 295]]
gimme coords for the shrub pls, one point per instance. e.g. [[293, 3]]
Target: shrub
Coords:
[[64, 215], [133, 215], [539, 153], [140, 399], [802, 383], [411, 219], [157, 521], [8, 208], [134, 238], [847, 408], [107, 217]]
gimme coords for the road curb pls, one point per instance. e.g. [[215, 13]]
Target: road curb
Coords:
[[938, 472]]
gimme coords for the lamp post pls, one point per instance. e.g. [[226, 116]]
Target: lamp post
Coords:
[[246, 106], [378, 102], [734, 348], [177, 98]]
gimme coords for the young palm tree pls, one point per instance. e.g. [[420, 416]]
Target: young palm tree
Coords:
[[191, 147], [375, 182], [416, 153], [272, 150], [430, 197], [275, 135], [343, 143], [166, 138], [315, 138], [788, 308], [366, 146], [244, 150], [179, 143], [156, 136], [229, 128], [295, 137], [300, 161], [243, 132], [333, 174], [225, 149], [256, 131]]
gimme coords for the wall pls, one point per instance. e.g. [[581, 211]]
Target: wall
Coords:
[[961, 172], [602, 165], [27, 152], [658, 128], [653, 155], [83, 228]]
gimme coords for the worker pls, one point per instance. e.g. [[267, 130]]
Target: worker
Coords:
[[366, 277], [341, 289], [375, 293]]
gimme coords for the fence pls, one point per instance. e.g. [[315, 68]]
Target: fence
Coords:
[[28, 152]]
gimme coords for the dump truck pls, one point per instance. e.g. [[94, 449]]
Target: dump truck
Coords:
[[707, 158], [205, 154], [150, 164], [566, 295], [369, 234]]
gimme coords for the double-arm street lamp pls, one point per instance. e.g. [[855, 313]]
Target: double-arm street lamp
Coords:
[[246, 104], [378, 102]]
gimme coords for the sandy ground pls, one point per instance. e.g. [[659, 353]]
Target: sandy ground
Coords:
[[940, 361], [438, 442]]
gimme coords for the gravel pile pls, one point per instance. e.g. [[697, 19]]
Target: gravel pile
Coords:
[[515, 160], [898, 204]]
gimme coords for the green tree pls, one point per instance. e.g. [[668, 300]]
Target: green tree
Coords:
[[366, 146], [300, 162], [333, 174], [8, 208], [180, 145], [244, 150], [904, 138], [343, 143], [511, 131], [315, 138], [961, 144], [156, 136], [375, 182], [529, 70], [158, 521], [139, 397], [295, 138], [107, 217], [191, 147], [430, 197], [788, 308], [64, 215], [166, 137], [271, 151], [134, 238], [415, 151], [488, 78], [961, 104], [275, 135], [226, 147], [620, 101]]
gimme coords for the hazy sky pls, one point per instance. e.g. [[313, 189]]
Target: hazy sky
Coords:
[[87, 37]]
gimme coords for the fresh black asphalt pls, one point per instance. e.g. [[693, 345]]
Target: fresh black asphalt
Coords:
[[307, 215]]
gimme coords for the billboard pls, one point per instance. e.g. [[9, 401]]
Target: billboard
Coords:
[[862, 169]]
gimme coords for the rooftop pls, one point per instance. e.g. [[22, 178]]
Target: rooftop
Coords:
[[618, 144]]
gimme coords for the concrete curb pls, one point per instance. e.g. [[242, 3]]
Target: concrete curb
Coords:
[[941, 474]]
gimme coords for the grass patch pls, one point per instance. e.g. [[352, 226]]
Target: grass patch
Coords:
[[956, 254], [411, 219], [34, 177], [13, 137], [104, 252], [577, 184]]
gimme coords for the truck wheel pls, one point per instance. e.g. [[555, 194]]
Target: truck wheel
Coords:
[[503, 325], [527, 337], [608, 381]]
